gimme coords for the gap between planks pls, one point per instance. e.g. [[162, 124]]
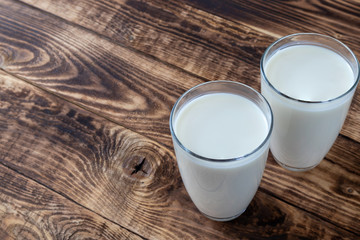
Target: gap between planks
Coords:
[[266, 33], [116, 122], [71, 200], [264, 190], [112, 40], [274, 35], [112, 121]]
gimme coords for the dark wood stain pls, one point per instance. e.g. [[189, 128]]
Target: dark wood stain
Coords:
[[91, 157], [154, 12], [124, 176], [221, 49], [50, 216]]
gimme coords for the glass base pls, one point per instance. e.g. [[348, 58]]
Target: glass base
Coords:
[[295, 169], [223, 219]]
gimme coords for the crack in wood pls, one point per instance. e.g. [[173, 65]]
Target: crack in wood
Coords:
[[139, 167]]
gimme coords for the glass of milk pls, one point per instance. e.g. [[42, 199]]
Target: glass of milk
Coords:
[[221, 132], [309, 80]]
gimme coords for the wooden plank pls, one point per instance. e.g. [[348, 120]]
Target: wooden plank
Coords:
[[92, 162], [173, 32], [351, 125], [330, 191], [223, 40], [29, 210], [339, 19], [327, 208], [131, 89]]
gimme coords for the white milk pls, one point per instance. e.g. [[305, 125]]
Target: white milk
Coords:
[[304, 132], [221, 126]]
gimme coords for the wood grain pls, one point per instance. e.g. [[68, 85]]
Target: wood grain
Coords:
[[339, 19], [131, 89], [129, 61], [29, 210], [172, 32], [99, 171], [214, 39], [330, 191]]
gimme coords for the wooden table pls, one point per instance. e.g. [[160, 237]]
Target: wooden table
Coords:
[[86, 91]]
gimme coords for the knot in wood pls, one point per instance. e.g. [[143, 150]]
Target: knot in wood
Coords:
[[6, 56], [137, 167]]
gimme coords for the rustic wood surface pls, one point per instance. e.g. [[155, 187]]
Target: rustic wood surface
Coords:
[[86, 90]]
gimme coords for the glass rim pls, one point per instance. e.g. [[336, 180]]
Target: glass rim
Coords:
[[307, 101], [234, 159]]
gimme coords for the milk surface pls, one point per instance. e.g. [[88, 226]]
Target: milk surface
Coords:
[[221, 125], [303, 133], [310, 73]]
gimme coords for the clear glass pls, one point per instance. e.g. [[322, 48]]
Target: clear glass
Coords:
[[221, 189], [304, 131]]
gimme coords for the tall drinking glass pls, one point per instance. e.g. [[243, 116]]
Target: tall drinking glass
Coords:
[[221, 132], [309, 80]]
